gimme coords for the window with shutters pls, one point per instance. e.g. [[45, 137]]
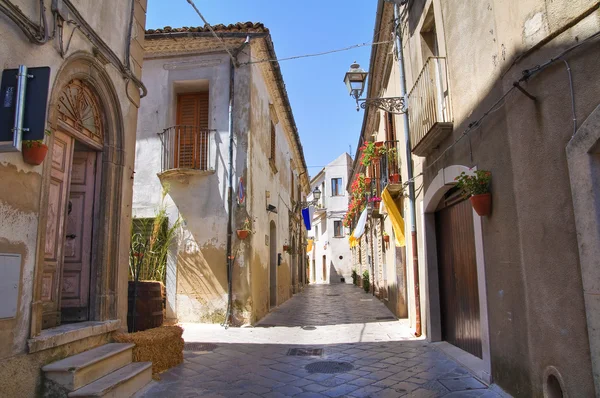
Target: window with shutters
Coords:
[[273, 144], [338, 231], [191, 135]]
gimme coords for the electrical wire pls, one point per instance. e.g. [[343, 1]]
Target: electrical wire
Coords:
[[233, 59], [315, 54]]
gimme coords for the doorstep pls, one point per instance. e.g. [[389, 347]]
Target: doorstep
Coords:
[[474, 364], [65, 334]]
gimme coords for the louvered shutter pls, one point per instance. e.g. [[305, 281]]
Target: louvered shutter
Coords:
[[191, 144]]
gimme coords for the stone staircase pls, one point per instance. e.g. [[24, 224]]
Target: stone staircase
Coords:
[[105, 371]]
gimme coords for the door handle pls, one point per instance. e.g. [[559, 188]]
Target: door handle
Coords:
[[71, 236]]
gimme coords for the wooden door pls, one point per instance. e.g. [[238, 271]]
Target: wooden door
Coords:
[[78, 239], [324, 268], [191, 145], [273, 266], [62, 152], [459, 290]]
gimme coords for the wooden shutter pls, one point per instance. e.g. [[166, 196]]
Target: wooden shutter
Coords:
[[390, 129], [273, 142], [191, 145]]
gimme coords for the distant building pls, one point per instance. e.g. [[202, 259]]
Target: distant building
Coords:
[[330, 257], [183, 153]]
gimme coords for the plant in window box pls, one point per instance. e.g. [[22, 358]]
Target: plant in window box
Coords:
[[477, 188], [246, 229], [376, 200], [34, 151]]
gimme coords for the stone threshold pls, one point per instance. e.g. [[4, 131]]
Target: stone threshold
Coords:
[[65, 334], [474, 364]]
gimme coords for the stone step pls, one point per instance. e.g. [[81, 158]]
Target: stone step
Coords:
[[121, 383], [79, 370]]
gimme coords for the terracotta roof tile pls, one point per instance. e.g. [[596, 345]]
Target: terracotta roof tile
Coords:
[[242, 27]]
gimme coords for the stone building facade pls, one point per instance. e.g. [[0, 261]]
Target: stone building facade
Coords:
[[509, 88], [64, 229], [205, 101]]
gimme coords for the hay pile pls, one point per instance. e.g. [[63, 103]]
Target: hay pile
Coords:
[[163, 346]]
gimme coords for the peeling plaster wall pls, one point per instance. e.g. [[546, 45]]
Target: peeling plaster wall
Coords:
[[262, 179], [535, 299], [22, 196]]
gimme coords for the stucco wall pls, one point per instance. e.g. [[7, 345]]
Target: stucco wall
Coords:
[[535, 300], [20, 205]]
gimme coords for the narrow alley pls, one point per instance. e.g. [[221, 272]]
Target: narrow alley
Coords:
[[328, 341]]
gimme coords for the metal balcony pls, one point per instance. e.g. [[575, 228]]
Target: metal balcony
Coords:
[[430, 113], [185, 147]]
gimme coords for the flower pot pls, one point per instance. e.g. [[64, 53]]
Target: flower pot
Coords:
[[482, 203], [379, 144], [376, 204], [368, 180], [35, 154], [286, 248], [394, 178], [386, 238], [242, 233]]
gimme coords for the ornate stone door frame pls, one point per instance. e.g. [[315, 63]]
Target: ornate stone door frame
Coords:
[[104, 289]]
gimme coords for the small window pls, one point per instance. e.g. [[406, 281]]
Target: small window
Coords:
[[336, 187], [338, 230], [273, 146], [316, 232]]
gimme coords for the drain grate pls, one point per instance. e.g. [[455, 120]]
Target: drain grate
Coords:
[[305, 352], [309, 327], [199, 347], [329, 367], [382, 318], [332, 295]]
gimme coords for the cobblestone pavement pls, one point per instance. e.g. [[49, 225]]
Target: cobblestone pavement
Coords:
[[369, 354]]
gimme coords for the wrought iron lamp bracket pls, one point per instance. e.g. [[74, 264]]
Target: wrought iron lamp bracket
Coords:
[[396, 105]]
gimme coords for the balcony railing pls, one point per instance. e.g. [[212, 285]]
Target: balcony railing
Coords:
[[430, 113], [185, 147], [389, 166]]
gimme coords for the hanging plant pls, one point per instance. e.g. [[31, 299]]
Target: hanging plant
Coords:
[[246, 229], [477, 188], [34, 151]]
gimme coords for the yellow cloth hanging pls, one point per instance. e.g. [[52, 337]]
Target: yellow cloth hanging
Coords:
[[309, 246], [352, 240], [395, 217]]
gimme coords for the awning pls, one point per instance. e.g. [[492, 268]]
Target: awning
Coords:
[[395, 217]]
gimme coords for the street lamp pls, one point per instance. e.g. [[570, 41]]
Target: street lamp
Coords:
[[355, 80], [316, 196]]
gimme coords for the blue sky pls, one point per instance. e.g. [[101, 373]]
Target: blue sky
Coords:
[[325, 114]]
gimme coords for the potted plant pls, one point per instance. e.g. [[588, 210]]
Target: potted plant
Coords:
[[477, 188], [366, 281], [368, 180], [246, 229], [386, 237], [34, 151], [354, 277], [376, 200], [394, 178]]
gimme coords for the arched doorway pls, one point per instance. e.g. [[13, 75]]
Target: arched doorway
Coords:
[[455, 269], [273, 266], [81, 253]]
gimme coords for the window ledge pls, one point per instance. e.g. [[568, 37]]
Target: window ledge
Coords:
[[182, 175], [65, 334]]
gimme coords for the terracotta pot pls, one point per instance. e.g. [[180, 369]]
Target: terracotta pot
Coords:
[[379, 144], [376, 204], [242, 233], [386, 238], [35, 154], [394, 178], [368, 180], [482, 203], [286, 248]]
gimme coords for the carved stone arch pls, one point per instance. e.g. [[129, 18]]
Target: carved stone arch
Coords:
[[82, 74]]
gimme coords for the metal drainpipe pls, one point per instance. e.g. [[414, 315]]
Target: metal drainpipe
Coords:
[[409, 166], [230, 198]]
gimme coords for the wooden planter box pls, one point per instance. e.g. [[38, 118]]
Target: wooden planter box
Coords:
[[149, 306]]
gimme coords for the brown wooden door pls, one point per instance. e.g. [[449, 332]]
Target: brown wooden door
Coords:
[[78, 242], [62, 152], [324, 269], [459, 293], [191, 146]]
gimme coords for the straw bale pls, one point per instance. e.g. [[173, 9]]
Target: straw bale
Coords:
[[163, 346]]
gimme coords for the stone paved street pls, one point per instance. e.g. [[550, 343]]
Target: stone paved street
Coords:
[[353, 329]]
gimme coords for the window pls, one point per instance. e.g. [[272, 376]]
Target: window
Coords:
[[191, 132], [316, 232], [273, 136], [292, 185], [336, 187], [338, 230]]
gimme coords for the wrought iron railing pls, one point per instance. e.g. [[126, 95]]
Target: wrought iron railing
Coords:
[[429, 100], [185, 147], [389, 165]]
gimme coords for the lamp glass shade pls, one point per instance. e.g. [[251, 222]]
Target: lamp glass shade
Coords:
[[316, 194], [355, 80]]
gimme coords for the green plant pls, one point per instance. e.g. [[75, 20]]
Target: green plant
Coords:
[[35, 143], [354, 277], [474, 184], [366, 281], [385, 233], [370, 152], [247, 225], [149, 248]]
